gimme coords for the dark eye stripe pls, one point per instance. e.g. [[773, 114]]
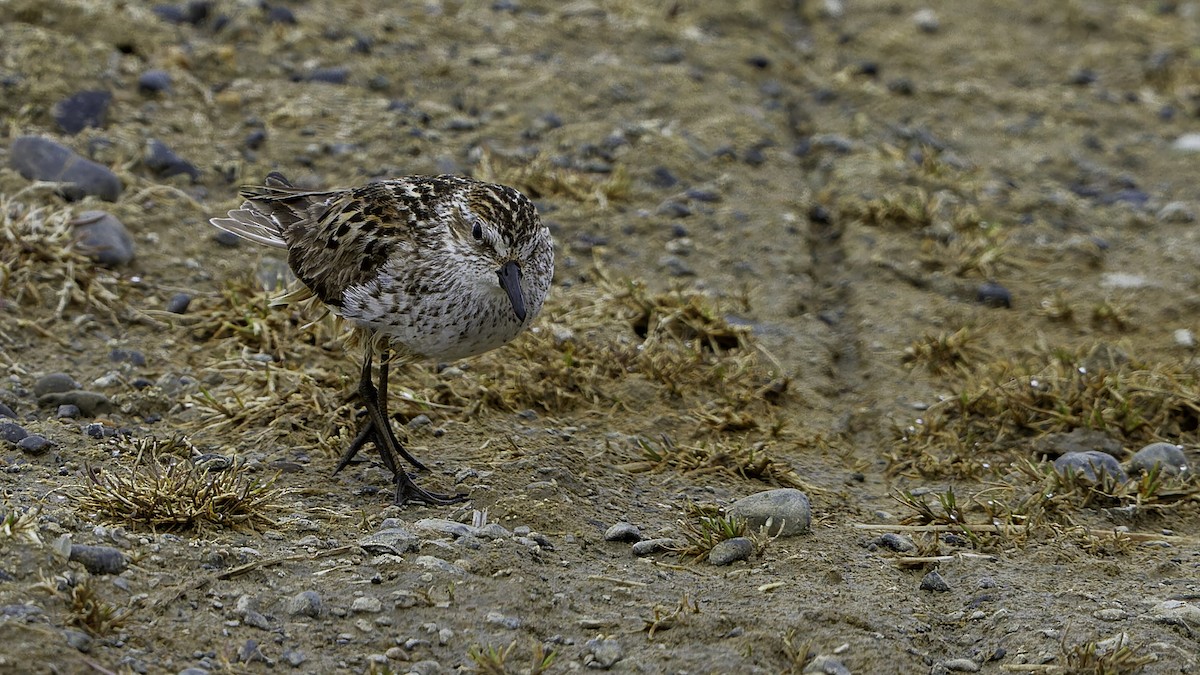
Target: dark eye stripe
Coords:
[[477, 232]]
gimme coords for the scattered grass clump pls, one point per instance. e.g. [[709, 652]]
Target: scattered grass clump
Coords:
[[995, 410], [19, 525], [162, 491], [41, 263], [86, 609], [491, 660], [1115, 656], [664, 618], [946, 353], [732, 457], [542, 178]]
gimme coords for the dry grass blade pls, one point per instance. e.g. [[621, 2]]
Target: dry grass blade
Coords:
[[85, 608], [19, 525], [751, 461], [167, 493], [1109, 657], [707, 528], [40, 261], [541, 178], [493, 661], [944, 353], [663, 618]]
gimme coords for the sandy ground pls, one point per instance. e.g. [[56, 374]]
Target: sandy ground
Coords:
[[914, 211]]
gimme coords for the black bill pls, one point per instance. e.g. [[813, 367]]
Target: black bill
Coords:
[[510, 281]]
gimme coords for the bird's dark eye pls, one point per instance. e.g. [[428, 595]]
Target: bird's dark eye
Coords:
[[477, 232]]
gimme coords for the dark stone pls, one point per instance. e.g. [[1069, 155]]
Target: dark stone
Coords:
[[99, 559], [12, 432], [194, 12], [90, 403], [1088, 465], [103, 238], [98, 430], [623, 532], [663, 178], [6, 411], [255, 139], [280, 14], [154, 81], [34, 444], [934, 582], [227, 239], [702, 195], [730, 551], [993, 295], [38, 158], [165, 163], [54, 382], [82, 110], [131, 356], [760, 62], [329, 75], [178, 304], [68, 411]]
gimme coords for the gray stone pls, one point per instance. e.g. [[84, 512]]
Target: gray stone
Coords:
[[730, 551], [90, 403], [503, 620], [438, 565], [787, 509], [1175, 613], [1168, 456], [897, 542], [825, 665], [1176, 212], [78, 640], [304, 603], [163, 161], [961, 665], [82, 110], [926, 20], [393, 540], [443, 526], [12, 432], [38, 158], [366, 604], [293, 657], [602, 653], [1187, 143], [934, 582], [6, 411], [99, 559], [53, 383], [178, 304], [1089, 465], [494, 531], [103, 238], [154, 81], [651, 546], [34, 444], [623, 532]]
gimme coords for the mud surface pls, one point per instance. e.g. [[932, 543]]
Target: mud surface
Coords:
[[899, 207]]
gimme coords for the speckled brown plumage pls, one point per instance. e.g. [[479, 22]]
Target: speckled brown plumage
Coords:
[[423, 267]]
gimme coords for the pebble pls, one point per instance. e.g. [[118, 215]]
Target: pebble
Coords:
[[1109, 614], [154, 81], [130, 356], [897, 542], [329, 75], [991, 294], [438, 565], [82, 110], [1168, 456], [602, 653], [78, 639], [1185, 338], [651, 546], [304, 603], [178, 304], [787, 509], [280, 14], [730, 551], [494, 531], [165, 163], [1187, 143], [933, 581], [52, 383], [34, 444], [1089, 463], [103, 238], [961, 666], [826, 664], [926, 20], [194, 12], [1176, 613], [99, 559], [443, 526], [498, 619], [90, 403], [37, 158], [8, 412], [1176, 212], [392, 540], [293, 657], [623, 531], [366, 604], [12, 432]]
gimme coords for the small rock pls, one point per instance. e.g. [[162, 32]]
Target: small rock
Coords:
[[1185, 338], [438, 565], [250, 653], [1089, 464], [34, 444], [37, 158], [934, 582], [787, 509], [602, 653], [826, 665], [7, 412], [494, 531], [165, 163], [992, 294], [651, 546], [366, 604], [1109, 614], [178, 304], [329, 75], [623, 531], [304, 603], [293, 657], [53, 383], [103, 238], [1175, 613], [154, 81], [12, 432], [280, 14], [498, 619], [1176, 212], [82, 110], [961, 665], [926, 20], [1168, 456], [730, 551], [78, 640], [393, 541], [1187, 143], [130, 356], [90, 403], [443, 526], [897, 542], [99, 559]]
